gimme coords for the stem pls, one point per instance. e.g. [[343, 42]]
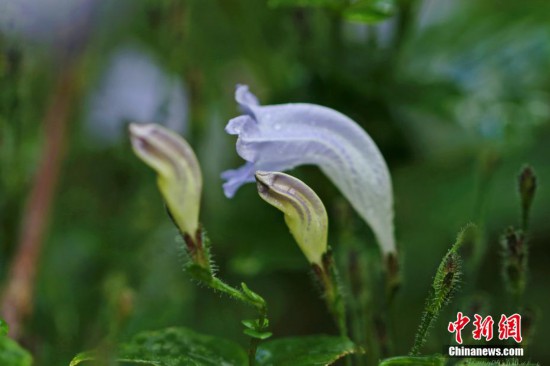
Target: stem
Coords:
[[17, 298], [392, 277], [444, 286], [422, 333], [201, 270], [221, 286], [327, 276], [260, 305], [252, 351], [359, 299]]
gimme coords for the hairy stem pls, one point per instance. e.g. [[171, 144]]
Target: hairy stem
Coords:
[[327, 276], [201, 270], [445, 284]]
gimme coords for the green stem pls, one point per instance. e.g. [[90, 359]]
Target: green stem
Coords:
[[328, 277], [217, 284], [422, 332], [252, 351], [200, 269], [444, 286], [258, 303]]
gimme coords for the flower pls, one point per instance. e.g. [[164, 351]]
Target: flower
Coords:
[[281, 137], [305, 214], [135, 89], [179, 175]]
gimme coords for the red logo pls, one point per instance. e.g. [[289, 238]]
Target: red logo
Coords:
[[484, 327], [456, 327], [508, 327]]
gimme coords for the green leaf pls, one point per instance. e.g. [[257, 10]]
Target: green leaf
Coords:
[[250, 323], [11, 353], [174, 347], [256, 334], [370, 11], [304, 351], [433, 360]]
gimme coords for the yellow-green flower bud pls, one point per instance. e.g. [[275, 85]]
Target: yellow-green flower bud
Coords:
[[179, 175], [305, 214]]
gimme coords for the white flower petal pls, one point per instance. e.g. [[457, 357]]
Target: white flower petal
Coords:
[[281, 137]]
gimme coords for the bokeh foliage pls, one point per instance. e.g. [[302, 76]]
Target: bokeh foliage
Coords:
[[452, 92]]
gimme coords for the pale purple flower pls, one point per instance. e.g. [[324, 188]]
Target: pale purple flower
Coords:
[[134, 88], [281, 137]]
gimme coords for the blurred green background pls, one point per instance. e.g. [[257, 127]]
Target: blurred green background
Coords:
[[456, 94]]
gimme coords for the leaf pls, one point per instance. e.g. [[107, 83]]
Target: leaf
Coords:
[[256, 334], [370, 11], [250, 323], [174, 347], [433, 360], [304, 351], [12, 354]]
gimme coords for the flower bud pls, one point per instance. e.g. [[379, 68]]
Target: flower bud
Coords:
[[305, 214], [179, 175]]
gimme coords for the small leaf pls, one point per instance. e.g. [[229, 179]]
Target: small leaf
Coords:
[[250, 323], [304, 351], [175, 347], [433, 360], [258, 335], [12, 354], [370, 11]]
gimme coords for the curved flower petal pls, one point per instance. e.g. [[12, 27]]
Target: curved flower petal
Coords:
[[179, 175], [305, 214], [281, 137]]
